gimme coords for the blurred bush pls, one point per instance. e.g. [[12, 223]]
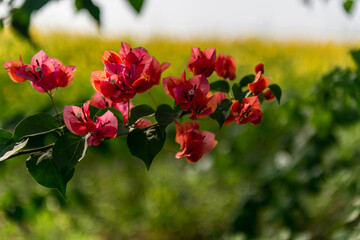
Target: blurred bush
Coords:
[[294, 176]]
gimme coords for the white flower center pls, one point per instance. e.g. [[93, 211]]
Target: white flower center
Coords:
[[112, 81], [37, 69], [191, 92], [27, 69], [78, 115]]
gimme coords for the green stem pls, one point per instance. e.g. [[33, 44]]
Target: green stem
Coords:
[[56, 111], [152, 98], [169, 150]]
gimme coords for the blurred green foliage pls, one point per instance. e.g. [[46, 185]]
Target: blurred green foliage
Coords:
[[294, 176]]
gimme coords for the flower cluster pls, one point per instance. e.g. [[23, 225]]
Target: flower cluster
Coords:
[[132, 72], [78, 121], [110, 113], [44, 73], [127, 73]]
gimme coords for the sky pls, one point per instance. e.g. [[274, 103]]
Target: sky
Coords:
[[275, 19]]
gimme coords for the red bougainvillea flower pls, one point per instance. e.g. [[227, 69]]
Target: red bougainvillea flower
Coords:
[[99, 101], [131, 71], [44, 73], [202, 62], [106, 126], [259, 84], [113, 86], [259, 68], [111, 57], [77, 119], [225, 67], [184, 91], [249, 110], [12, 67], [269, 96], [202, 105], [150, 76], [193, 142]]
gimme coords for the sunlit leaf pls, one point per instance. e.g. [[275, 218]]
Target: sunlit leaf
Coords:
[[11, 149]]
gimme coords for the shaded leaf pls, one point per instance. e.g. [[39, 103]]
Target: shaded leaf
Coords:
[[220, 86], [276, 90], [165, 115], [348, 5], [68, 150], [20, 21], [222, 111], [35, 125], [12, 148], [238, 93], [5, 138], [90, 7], [43, 169], [136, 4], [146, 143], [140, 111], [355, 54], [246, 80]]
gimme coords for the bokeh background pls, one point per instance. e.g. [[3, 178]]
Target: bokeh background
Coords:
[[294, 176]]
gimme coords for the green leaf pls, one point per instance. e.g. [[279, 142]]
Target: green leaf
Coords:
[[165, 115], [11, 149], [220, 86], [20, 21], [35, 125], [5, 138], [355, 54], [348, 5], [140, 111], [33, 5], [136, 4], [222, 112], [90, 7], [246, 80], [146, 143], [238, 93], [276, 90], [68, 150], [43, 169], [115, 111], [122, 129]]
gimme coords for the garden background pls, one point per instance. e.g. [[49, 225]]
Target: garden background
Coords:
[[294, 176]]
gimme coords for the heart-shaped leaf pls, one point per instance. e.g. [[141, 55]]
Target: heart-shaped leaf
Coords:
[[146, 143], [165, 115]]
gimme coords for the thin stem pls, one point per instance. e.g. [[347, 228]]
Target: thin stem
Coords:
[[152, 98], [56, 111], [169, 150], [27, 151], [128, 111]]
